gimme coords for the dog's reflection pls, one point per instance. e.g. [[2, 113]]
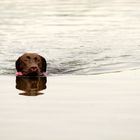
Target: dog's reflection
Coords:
[[31, 85]]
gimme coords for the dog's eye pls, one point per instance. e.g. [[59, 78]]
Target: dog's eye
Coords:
[[36, 59], [28, 57]]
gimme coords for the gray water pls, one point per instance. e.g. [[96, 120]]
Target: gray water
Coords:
[[75, 36]]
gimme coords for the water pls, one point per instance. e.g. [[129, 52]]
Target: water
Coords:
[[75, 36]]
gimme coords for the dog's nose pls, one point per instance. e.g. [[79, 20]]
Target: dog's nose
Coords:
[[33, 68]]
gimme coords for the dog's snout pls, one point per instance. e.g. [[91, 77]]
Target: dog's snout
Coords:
[[33, 68]]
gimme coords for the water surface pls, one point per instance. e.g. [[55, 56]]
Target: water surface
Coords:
[[75, 36]]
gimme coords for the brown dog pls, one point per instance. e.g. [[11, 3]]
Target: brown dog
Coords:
[[31, 64]]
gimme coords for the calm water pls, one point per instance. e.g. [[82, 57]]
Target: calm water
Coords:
[[75, 36]]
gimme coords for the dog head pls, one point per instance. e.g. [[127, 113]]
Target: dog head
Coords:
[[31, 64]]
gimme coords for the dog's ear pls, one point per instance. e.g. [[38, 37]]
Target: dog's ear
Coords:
[[44, 64], [18, 65]]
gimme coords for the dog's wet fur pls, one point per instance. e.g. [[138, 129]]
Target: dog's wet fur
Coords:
[[31, 64]]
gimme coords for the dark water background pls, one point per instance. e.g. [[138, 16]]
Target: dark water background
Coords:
[[75, 36]]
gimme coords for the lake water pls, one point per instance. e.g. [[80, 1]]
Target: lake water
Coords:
[[75, 36]]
